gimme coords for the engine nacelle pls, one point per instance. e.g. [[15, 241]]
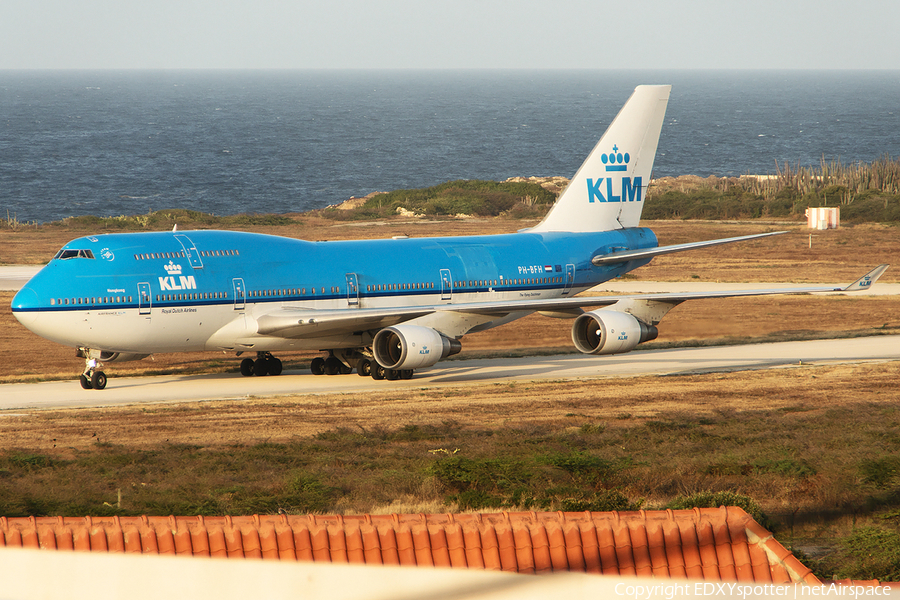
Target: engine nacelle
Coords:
[[411, 347], [610, 332]]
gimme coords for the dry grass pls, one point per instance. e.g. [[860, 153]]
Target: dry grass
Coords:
[[816, 447]]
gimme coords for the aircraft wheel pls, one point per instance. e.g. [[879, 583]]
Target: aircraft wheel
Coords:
[[275, 365], [391, 374], [378, 371], [345, 370], [247, 367], [364, 367], [260, 367], [85, 382], [406, 374], [317, 366], [98, 380], [333, 366]]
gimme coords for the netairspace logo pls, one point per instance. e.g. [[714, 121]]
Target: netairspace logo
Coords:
[[663, 591]]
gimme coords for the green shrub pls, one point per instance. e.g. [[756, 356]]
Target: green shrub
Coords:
[[470, 197], [709, 499], [585, 469], [869, 553], [605, 500], [880, 472]]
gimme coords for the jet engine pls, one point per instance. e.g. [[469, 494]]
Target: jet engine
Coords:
[[610, 332], [411, 347]]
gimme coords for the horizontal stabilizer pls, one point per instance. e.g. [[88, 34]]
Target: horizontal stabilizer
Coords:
[[626, 255]]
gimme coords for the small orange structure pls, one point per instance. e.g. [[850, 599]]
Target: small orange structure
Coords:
[[723, 544]]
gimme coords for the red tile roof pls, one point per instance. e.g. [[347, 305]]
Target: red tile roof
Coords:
[[723, 544]]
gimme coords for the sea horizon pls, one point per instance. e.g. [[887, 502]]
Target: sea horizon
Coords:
[[113, 142]]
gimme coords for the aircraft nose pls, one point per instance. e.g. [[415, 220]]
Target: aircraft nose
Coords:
[[23, 306]]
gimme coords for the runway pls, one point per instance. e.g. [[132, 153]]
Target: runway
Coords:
[[162, 389]]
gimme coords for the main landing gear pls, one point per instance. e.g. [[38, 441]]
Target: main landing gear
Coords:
[[365, 366], [92, 378], [265, 364]]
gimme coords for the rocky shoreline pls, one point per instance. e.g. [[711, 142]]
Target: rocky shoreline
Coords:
[[557, 184]]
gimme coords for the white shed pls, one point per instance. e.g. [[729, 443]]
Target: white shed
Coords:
[[823, 218]]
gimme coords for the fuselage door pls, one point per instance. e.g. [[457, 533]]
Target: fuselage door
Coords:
[[144, 301], [238, 285], [190, 251], [446, 285], [570, 278], [352, 290]]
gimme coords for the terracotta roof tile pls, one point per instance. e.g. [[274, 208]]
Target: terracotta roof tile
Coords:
[[711, 544], [593, 552], [672, 541], [540, 542]]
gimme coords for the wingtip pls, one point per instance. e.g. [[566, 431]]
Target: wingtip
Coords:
[[867, 280]]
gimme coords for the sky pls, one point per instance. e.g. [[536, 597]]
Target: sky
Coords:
[[449, 34]]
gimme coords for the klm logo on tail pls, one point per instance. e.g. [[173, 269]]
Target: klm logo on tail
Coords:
[[615, 161]]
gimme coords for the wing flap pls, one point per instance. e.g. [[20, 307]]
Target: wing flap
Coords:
[[292, 323]]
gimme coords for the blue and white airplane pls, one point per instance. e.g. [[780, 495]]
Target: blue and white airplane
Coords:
[[384, 307]]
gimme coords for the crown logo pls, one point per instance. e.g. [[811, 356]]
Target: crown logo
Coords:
[[615, 160], [172, 268]]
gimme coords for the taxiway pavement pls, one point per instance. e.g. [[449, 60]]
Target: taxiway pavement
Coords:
[[161, 389]]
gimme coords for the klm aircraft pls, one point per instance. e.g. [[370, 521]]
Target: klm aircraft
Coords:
[[382, 307]]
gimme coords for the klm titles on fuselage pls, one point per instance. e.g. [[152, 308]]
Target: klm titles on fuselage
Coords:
[[615, 161], [170, 283]]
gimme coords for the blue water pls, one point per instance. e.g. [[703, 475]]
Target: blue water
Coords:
[[113, 143]]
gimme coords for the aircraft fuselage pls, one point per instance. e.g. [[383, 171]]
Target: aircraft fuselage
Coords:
[[204, 290]]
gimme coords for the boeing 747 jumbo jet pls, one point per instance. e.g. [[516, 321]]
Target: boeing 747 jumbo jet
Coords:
[[383, 307]]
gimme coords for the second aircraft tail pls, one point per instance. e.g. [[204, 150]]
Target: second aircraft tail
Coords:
[[608, 190]]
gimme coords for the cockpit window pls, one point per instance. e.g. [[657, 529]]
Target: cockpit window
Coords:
[[67, 253]]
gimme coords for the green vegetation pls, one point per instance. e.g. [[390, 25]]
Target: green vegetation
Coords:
[[864, 192], [708, 499], [159, 220], [870, 552], [464, 197]]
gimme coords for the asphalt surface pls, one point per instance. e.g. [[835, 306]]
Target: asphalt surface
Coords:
[[180, 388]]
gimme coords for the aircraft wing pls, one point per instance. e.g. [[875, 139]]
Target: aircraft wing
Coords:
[[310, 323]]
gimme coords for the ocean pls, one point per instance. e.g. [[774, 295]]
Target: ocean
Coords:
[[225, 142]]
